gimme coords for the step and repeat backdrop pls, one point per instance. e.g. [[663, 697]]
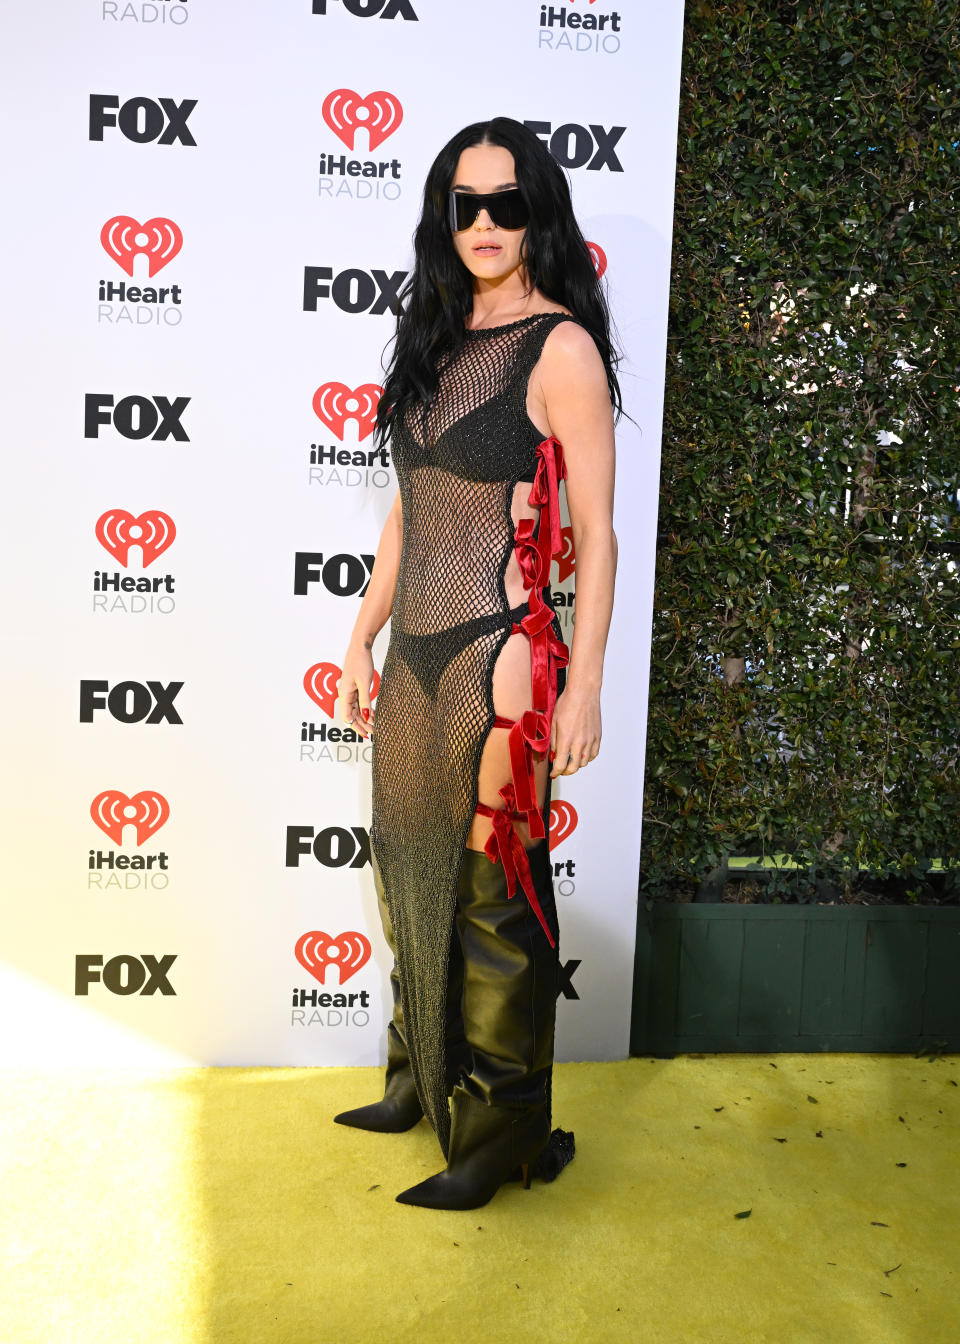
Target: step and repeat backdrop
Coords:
[[210, 208]]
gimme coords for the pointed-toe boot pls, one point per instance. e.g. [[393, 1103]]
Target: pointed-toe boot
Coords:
[[400, 1108], [486, 1144]]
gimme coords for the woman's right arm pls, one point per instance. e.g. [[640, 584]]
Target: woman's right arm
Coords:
[[356, 681]]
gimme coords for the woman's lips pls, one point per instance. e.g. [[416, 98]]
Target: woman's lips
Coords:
[[488, 249]]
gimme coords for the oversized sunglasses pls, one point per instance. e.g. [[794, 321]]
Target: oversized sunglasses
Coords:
[[507, 209]]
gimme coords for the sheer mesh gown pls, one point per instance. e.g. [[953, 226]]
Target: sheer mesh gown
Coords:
[[472, 670]]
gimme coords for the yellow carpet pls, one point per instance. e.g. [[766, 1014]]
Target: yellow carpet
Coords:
[[207, 1206]]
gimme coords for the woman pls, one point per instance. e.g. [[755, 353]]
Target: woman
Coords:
[[501, 384]]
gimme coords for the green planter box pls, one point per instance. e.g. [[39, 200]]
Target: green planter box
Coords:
[[795, 977]]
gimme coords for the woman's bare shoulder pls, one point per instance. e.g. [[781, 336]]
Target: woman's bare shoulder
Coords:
[[569, 342]]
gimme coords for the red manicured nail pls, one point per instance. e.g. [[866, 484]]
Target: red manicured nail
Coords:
[[365, 713], [552, 755]]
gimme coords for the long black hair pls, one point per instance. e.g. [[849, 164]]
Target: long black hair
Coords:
[[438, 296]]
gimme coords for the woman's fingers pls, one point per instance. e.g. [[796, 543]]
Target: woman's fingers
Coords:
[[351, 710], [572, 756], [359, 724], [560, 756], [366, 712]]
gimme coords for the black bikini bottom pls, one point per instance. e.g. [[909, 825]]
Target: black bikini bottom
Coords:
[[428, 656]]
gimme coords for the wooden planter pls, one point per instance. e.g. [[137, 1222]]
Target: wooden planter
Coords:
[[724, 977]]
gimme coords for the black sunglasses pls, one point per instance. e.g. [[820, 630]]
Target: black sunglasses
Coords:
[[507, 209]]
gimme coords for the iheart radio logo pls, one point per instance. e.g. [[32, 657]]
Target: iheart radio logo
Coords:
[[118, 530], [566, 560], [335, 404], [316, 951], [598, 257], [345, 112], [563, 820], [146, 811], [320, 683], [123, 239]]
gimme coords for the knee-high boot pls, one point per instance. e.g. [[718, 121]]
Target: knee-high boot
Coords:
[[501, 1111], [400, 1108]]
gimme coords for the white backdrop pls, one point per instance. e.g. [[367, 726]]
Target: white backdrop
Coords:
[[174, 429]]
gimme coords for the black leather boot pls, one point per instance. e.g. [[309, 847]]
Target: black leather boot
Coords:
[[400, 1108], [487, 1143], [501, 1111]]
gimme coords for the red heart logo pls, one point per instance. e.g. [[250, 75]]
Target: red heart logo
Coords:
[[317, 950], [159, 240], [345, 112], [118, 530], [563, 820], [320, 683], [566, 560], [112, 810], [335, 404], [598, 257]]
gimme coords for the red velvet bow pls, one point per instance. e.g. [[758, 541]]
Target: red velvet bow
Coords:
[[547, 653], [558, 655], [551, 470], [528, 552], [532, 727], [504, 843]]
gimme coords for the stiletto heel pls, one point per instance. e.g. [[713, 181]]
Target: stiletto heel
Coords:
[[525, 1173], [486, 1144]]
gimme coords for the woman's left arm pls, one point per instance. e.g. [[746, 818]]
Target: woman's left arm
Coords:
[[573, 383]]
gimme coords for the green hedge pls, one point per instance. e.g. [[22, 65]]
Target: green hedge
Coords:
[[805, 686]]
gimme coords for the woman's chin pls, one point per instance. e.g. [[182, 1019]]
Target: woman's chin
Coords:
[[490, 268]]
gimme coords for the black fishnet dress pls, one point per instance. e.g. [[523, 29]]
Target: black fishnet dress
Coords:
[[457, 470]]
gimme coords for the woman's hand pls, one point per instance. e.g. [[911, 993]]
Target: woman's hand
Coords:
[[355, 686], [575, 731]]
